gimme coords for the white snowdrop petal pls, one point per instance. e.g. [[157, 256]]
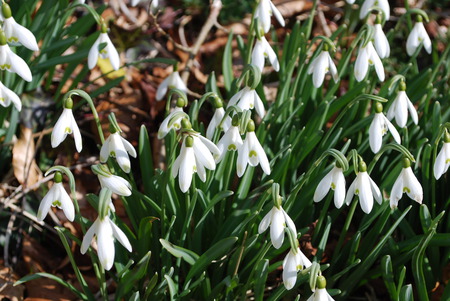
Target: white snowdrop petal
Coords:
[[66, 204], [323, 187], [277, 229], [105, 244], [339, 192], [265, 222], [87, 239], [120, 236]]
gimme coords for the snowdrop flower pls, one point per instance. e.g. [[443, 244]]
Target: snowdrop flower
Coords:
[[350, 1], [56, 197], [15, 33], [216, 119], [294, 261], [105, 231], [231, 141], [251, 152], [406, 182], [320, 294], [195, 156], [381, 43], [12, 62], [400, 107], [261, 51], [369, 4], [247, 99], [335, 180], [277, 219], [7, 97], [116, 146], [173, 120], [109, 52], [320, 66], [368, 56], [379, 127], [172, 81], [263, 13], [116, 184], [417, 36], [66, 124], [443, 158], [364, 187]]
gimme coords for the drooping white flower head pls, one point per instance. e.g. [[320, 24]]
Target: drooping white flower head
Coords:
[[118, 147], [7, 97], [65, 125], [261, 51], [105, 231], [443, 158], [56, 197], [335, 180], [264, 12], [116, 184], [417, 36], [231, 141], [109, 52], [219, 113], [12, 62], [350, 1], [251, 152], [196, 154], [400, 107], [172, 81], [165, 128], [294, 261], [320, 293], [16, 34], [406, 183], [320, 66], [277, 219], [379, 127], [247, 99], [368, 56], [154, 3], [369, 4], [381, 42], [365, 188]]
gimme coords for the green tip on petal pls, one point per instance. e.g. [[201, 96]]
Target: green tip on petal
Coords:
[[68, 104], [57, 177], [6, 10], [406, 163], [321, 282], [189, 141], [362, 167]]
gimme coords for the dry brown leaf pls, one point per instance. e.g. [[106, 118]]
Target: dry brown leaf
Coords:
[[7, 290], [25, 168]]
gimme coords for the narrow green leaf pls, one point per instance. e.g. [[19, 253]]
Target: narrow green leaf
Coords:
[[188, 255], [227, 63]]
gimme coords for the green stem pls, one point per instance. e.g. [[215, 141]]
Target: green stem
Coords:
[[89, 100], [344, 231]]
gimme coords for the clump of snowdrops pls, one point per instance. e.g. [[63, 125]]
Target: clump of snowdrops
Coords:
[[339, 180]]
